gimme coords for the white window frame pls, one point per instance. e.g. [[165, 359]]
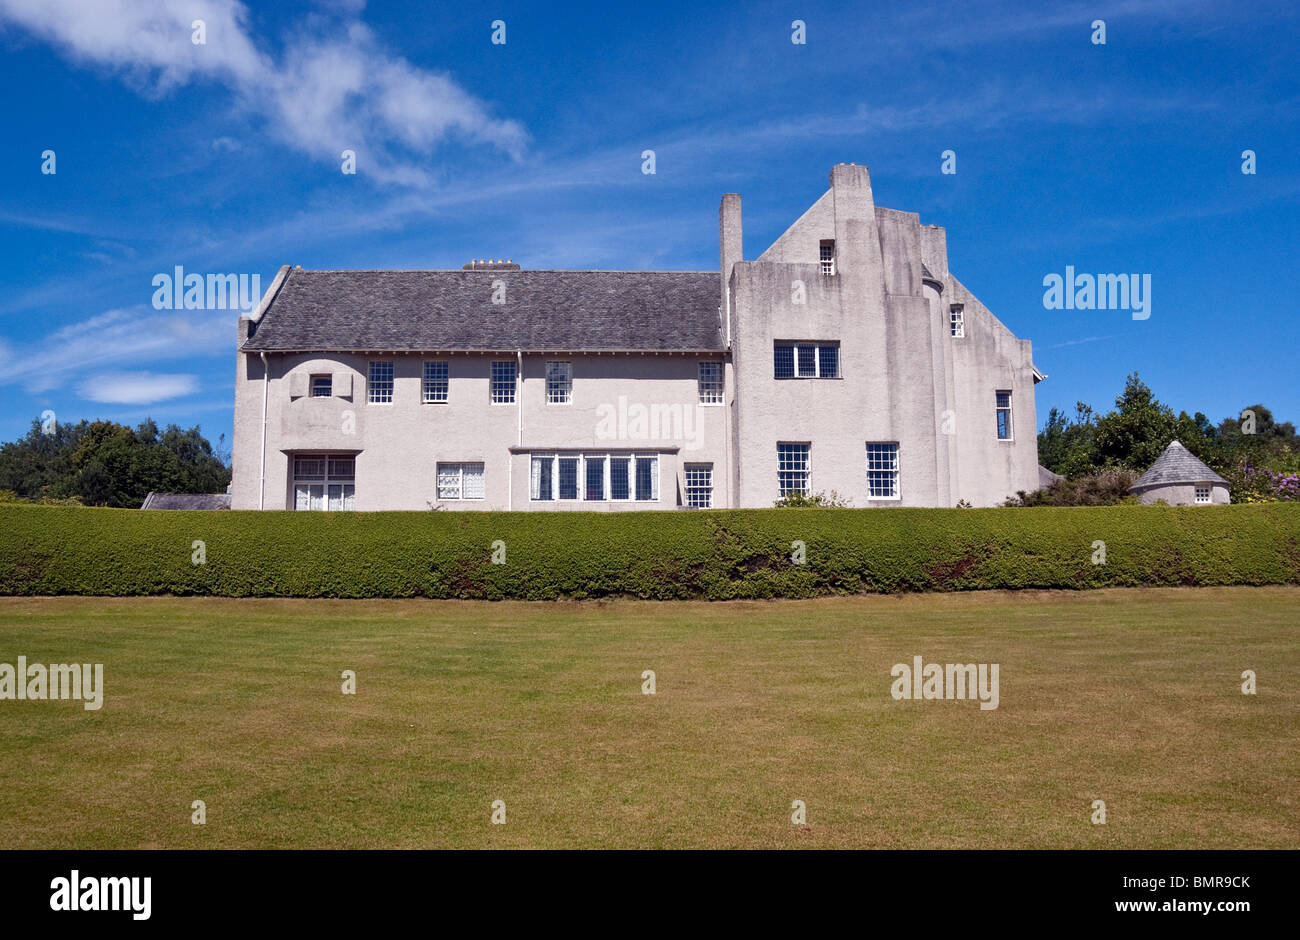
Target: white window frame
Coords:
[[712, 387], [431, 382], [559, 383], [697, 479], [998, 409], [884, 461], [957, 321], [634, 458], [497, 385], [332, 473], [325, 377], [817, 347], [806, 471], [380, 390], [1208, 489], [459, 467], [826, 257]]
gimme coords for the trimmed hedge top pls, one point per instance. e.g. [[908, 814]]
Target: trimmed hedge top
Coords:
[[716, 555]]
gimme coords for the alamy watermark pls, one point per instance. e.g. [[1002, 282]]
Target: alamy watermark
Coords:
[[654, 422], [37, 682], [76, 893], [1100, 292], [949, 681], [181, 291]]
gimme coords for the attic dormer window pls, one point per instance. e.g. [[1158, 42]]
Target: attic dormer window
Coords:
[[828, 257]]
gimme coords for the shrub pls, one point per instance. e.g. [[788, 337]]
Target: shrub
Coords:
[[1105, 488], [711, 554], [812, 501]]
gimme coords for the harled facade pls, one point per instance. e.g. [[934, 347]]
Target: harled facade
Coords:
[[845, 358]]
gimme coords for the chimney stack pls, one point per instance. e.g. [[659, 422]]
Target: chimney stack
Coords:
[[731, 247]]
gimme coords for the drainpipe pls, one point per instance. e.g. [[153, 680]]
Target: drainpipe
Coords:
[[519, 405], [261, 485]]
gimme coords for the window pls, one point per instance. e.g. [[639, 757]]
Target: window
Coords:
[[559, 383], [321, 386], [595, 477], [1004, 415], [619, 477], [594, 469], [379, 390], [710, 383], [1203, 494], [567, 476], [792, 474], [828, 257], [647, 477], [793, 360], [699, 485], [460, 481], [882, 471], [956, 323], [435, 383], [542, 484], [503, 382], [324, 482]]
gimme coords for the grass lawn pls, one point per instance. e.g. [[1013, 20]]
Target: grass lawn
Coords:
[[1129, 696]]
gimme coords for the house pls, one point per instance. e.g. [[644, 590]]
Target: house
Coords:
[[846, 357], [1180, 479]]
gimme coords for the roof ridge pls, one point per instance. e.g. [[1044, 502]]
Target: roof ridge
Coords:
[[499, 271]]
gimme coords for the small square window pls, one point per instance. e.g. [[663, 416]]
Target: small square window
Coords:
[[1203, 494], [784, 361], [322, 386], [435, 383], [827, 257], [699, 485], [460, 481], [559, 383], [792, 469], [503, 382], [379, 388], [882, 471], [710, 383]]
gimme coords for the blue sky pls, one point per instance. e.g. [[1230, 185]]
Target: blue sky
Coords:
[[225, 158]]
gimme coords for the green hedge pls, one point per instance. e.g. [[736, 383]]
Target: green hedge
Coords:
[[714, 554]]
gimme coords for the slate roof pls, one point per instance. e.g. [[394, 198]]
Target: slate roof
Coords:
[[1177, 465], [187, 501], [427, 311]]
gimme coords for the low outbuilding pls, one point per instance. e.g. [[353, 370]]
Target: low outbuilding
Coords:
[[1179, 478]]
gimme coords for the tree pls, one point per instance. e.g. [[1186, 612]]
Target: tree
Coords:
[[1137, 431], [1065, 446], [103, 463]]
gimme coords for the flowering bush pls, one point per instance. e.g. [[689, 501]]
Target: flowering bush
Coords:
[[1250, 484]]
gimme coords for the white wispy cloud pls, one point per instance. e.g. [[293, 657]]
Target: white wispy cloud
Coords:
[[139, 336], [333, 88], [136, 388]]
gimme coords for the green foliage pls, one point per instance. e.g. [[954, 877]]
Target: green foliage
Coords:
[[1140, 427], [812, 501], [1106, 488], [102, 463], [714, 555], [1065, 445], [1136, 432]]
